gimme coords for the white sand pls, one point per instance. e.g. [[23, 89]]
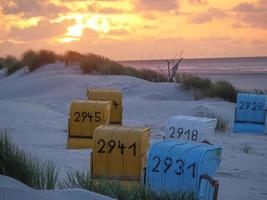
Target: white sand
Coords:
[[34, 109], [11, 189]]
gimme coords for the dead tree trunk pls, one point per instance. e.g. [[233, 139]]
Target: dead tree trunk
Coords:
[[169, 71], [174, 69]]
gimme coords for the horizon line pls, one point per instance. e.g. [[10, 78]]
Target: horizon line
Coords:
[[193, 58]]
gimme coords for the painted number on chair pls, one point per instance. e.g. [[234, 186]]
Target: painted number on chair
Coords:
[[192, 134], [112, 144], [87, 116], [247, 105], [179, 166]]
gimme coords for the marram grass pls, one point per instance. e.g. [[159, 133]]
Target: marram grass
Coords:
[[23, 167], [114, 189]]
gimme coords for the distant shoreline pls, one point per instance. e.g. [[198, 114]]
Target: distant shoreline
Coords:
[[204, 58], [222, 66]]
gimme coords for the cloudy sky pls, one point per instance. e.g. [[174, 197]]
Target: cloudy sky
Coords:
[[136, 29]]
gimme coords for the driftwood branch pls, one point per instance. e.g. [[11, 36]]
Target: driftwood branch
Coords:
[[169, 71], [172, 72]]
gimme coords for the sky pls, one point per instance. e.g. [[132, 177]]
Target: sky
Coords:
[[136, 29]]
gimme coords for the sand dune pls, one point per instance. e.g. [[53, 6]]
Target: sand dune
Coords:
[[34, 108]]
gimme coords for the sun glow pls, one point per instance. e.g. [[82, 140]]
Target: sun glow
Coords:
[[75, 30], [97, 23], [68, 39]]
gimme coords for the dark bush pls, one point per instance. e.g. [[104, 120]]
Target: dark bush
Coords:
[[101, 65], [151, 75], [2, 62], [225, 90], [46, 57], [191, 81], [12, 64], [91, 63], [206, 88], [29, 58], [35, 59], [72, 57]]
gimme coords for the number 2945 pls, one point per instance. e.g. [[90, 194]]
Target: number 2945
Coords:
[[83, 116]]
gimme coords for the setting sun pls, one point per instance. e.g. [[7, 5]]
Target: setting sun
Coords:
[[98, 23], [75, 30]]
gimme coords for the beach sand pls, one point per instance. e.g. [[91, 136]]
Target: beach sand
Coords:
[[34, 109]]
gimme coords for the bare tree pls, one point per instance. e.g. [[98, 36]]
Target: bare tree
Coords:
[[173, 70]]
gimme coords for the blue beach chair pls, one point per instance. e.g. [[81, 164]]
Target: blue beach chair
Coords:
[[175, 166], [250, 113]]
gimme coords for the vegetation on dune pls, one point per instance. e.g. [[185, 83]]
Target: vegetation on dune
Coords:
[[11, 63], [92, 63], [36, 59], [89, 63], [99, 64], [23, 167], [2, 62], [115, 189], [206, 88], [190, 81], [221, 125], [72, 57]]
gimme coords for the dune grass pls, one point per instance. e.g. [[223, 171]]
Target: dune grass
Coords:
[[101, 65], [246, 148], [11, 63], [89, 63], [23, 167], [114, 189], [2, 62], [221, 125], [36, 59], [205, 88]]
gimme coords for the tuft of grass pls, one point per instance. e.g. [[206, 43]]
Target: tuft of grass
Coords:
[[224, 90], [190, 81], [221, 123], [2, 63], [115, 189], [246, 148], [36, 59], [206, 88], [23, 167], [11, 63], [29, 58], [101, 65], [72, 57]]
